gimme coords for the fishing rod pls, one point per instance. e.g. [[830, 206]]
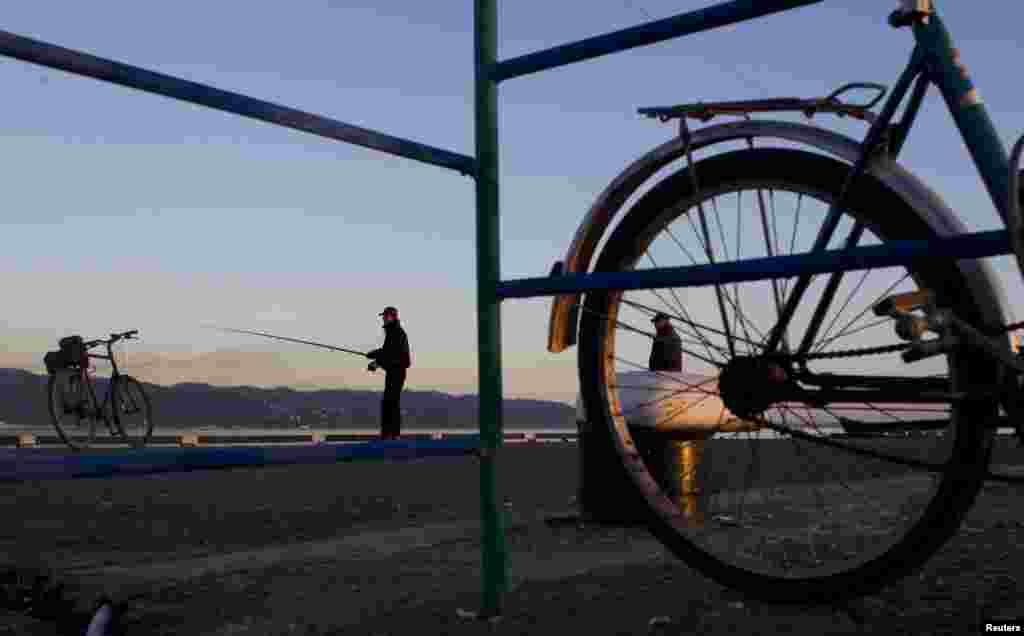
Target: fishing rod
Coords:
[[270, 335]]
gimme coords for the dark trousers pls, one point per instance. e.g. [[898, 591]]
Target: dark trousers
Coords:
[[390, 404]]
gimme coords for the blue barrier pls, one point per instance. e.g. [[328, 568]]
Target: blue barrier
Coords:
[[22, 466], [689, 23], [45, 54], [902, 252]]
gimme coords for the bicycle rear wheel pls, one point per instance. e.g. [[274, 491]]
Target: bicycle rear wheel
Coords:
[[133, 414], [72, 409], [783, 516]]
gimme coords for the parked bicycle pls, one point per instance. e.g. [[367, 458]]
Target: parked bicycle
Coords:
[[74, 408], [787, 343]]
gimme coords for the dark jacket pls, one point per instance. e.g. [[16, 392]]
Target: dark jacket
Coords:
[[667, 351], [394, 354]]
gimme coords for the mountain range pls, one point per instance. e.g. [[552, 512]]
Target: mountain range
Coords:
[[190, 405], [307, 369]]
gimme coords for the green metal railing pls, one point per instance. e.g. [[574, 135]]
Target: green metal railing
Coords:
[[484, 167], [490, 72]]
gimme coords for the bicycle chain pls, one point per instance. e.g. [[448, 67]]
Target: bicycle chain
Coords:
[[989, 476], [869, 351], [850, 353]]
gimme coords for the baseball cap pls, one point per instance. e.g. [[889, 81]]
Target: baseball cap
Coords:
[[660, 316], [389, 310]]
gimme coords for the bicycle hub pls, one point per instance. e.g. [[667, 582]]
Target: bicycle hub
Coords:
[[748, 385]]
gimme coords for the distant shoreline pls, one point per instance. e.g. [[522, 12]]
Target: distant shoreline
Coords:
[[218, 431]]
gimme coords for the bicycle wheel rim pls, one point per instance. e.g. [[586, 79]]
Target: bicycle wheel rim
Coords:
[[76, 429], [133, 411], [951, 494]]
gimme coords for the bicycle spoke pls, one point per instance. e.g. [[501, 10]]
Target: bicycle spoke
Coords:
[[821, 241], [810, 423], [703, 341], [672, 235], [706, 244], [818, 494], [735, 305], [681, 410], [682, 320], [696, 386], [752, 466], [734, 300], [652, 336], [771, 252], [829, 294], [864, 312], [633, 329], [735, 286], [774, 221], [846, 303], [679, 305], [890, 412], [846, 334], [863, 452], [693, 261], [775, 239], [739, 316], [792, 240]]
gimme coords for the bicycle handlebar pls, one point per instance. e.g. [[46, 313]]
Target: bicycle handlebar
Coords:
[[114, 337]]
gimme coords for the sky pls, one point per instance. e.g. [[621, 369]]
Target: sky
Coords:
[[128, 210]]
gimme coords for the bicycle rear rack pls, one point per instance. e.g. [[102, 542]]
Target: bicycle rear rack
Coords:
[[705, 111]]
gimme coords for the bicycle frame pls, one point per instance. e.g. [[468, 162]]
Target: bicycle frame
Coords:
[[109, 357], [109, 395], [936, 61], [933, 61]]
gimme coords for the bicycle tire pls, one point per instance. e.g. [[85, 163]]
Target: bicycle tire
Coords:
[[129, 398], [64, 421], [970, 452]]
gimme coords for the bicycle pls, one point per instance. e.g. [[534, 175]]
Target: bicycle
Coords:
[[774, 380], [125, 411]]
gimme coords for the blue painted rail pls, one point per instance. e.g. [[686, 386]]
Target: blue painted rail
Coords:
[[53, 56], [24, 466], [976, 245], [270, 439], [712, 17]]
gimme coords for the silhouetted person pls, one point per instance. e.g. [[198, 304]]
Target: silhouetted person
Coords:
[[655, 449], [667, 350], [394, 358]]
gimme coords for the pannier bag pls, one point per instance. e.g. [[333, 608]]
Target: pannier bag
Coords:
[[73, 348], [71, 353], [54, 361]]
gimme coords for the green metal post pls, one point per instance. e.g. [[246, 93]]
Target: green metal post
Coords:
[[488, 271]]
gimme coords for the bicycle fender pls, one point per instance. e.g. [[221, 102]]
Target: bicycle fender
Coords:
[[562, 327]]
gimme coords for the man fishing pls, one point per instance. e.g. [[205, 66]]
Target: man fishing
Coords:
[[394, 358], [667, 349]]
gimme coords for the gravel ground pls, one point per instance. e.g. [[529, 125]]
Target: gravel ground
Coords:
[[594, 580]]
